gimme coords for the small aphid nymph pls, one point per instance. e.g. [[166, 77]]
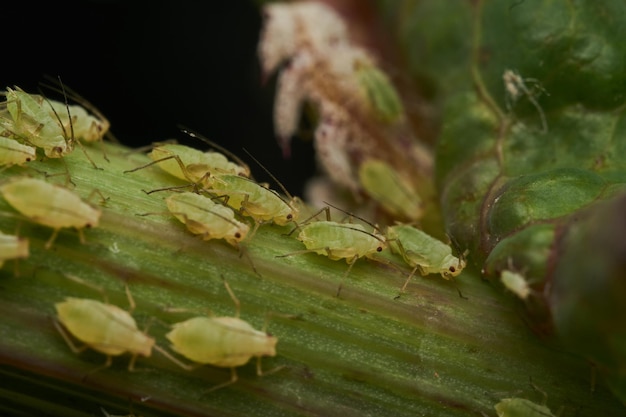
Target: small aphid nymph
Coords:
[[520, 407], [204, 217]]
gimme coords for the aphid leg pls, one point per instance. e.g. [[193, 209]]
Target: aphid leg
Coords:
[[232, 380], [55, 232], [66, 337], [350, 264], [95, 191], [81, 281], [165, 158], [243, 251], [409, 278], [233, 297]]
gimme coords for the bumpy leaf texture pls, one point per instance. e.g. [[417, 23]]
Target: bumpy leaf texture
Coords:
[[530, 164]]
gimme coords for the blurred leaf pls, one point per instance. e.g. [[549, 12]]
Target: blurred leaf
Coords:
[[511, 183]]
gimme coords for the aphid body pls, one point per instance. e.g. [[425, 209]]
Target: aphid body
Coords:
[[254, 200], [520, 407], [85, 126], [348, 241], [12, 247], [516, 283], [386, 187], [105, 328], [221, 341], [204, 217], [14, 153], [194, 165], [31, 120], [50, 205], [423, 252]]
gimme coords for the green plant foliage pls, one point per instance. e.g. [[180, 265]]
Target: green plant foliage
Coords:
[[518, 162]]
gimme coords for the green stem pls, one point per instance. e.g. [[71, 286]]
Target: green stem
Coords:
[[429, 352]]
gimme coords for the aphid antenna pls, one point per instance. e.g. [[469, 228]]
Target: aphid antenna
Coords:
[[71, 140], [153, 145], [347, 226], [173, 188], [214, 145], [354, 215], [280, 184], [75, 96]]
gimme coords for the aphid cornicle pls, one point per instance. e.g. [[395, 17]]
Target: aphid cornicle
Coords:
[[423, 252], [206, 218], [221, 341], [50, 205]]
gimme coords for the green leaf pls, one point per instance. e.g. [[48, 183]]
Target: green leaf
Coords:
[[518, 163]]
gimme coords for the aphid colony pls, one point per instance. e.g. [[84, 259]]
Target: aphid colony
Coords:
[[31, 121], [220, 201]]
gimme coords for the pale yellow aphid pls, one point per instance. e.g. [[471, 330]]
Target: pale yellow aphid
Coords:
[[516, 283], [520, 407], [86, 127], [387, 188], [83, 120], [423, 252], [103, 327], [225, 341], [50, 205], [204, 217], [349, 241], [12, 247], [14, 153], [193, 165], [32, 121]]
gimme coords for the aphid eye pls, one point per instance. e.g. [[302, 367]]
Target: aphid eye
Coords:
[[28, 159], [289, 216], [452, 269], [237, 235], [88, 225], [379, 249]]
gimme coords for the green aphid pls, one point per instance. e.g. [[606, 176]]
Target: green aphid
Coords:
[[423, 252], [388, 189], [226, 341], [254, 200], [32, 121], [382, 95], [206, 218], [520, 407]]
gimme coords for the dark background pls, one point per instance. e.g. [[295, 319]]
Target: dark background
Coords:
[[149, 66]]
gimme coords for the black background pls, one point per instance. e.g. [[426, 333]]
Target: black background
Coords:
[[149, 66]]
